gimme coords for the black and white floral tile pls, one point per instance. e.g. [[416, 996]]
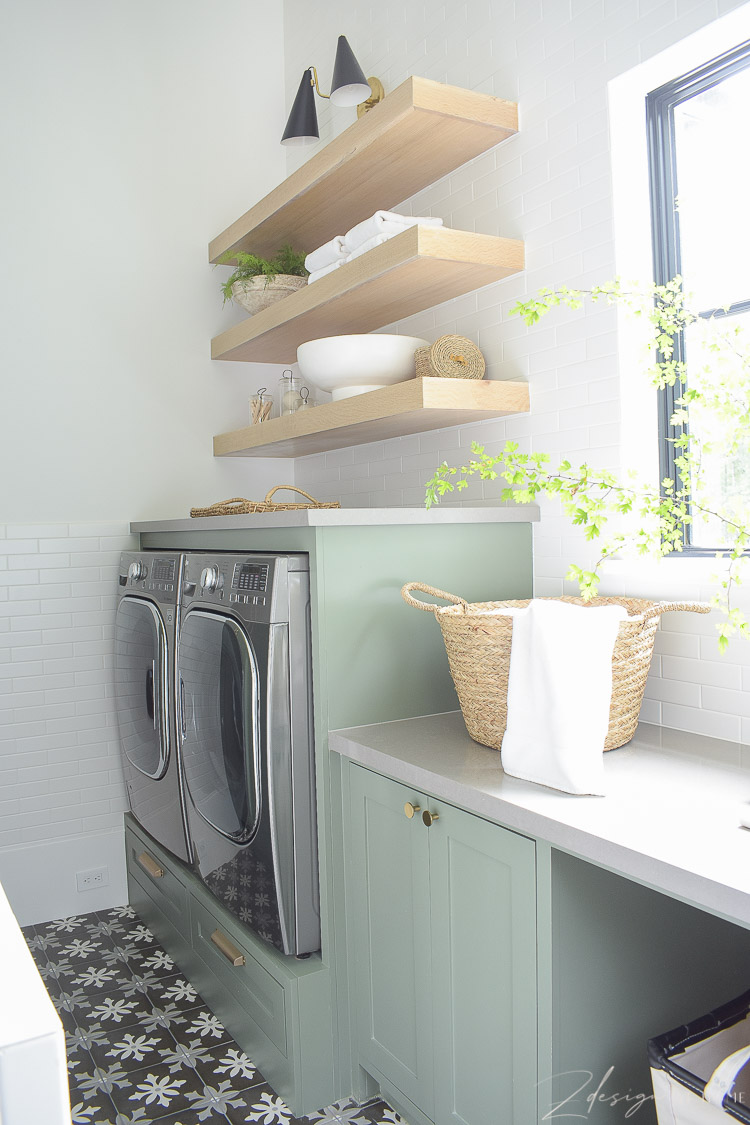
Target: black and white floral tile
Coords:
[[142, 1045]]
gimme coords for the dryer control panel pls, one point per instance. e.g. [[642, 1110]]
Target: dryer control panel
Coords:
[[256, 587]]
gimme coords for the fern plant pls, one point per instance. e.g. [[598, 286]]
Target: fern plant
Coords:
[[285, 261]]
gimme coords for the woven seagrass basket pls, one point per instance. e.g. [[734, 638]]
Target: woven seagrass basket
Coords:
[[238, 506], [477, 640], [450, 357], [257, 293]]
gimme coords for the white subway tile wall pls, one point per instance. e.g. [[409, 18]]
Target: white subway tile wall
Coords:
[[551, 186], [60, 773]]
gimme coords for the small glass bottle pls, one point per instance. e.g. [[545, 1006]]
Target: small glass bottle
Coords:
[[289, 397], [304, 394], [261, 405]]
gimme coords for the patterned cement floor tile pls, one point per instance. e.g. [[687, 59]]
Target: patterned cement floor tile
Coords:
[[133, 1048], [229, 1063], [143, 1047], [158, 1093], [113, 1012], [261, 1104], [90, 1110]]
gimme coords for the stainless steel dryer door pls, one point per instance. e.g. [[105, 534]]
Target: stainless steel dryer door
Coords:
[[220, 725], [141, 685]]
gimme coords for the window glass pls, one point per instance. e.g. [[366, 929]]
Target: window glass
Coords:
[[713, 179], [700, 171]]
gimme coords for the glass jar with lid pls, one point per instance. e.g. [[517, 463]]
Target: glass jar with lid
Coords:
[[261, 405], [289, 396]]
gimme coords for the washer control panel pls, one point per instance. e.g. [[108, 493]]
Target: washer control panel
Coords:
[[250, 578], [154, 575]]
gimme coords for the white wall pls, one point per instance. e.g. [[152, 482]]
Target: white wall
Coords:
[[131, 134], [551, 186]]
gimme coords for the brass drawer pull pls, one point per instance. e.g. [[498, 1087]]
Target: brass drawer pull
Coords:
[[150, 866], [429, 818], [410, 809], [225, 946]]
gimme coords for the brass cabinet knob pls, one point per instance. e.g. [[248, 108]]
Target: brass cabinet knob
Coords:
[[429, 818], [410, 809]]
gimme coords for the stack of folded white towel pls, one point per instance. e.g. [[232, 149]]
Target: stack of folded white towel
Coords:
[[372, 232]]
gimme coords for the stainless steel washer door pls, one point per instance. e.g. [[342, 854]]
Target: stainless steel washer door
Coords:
[[141, 685], [220, 727]]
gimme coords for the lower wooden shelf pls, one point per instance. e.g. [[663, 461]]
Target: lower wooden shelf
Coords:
[[412, 407]]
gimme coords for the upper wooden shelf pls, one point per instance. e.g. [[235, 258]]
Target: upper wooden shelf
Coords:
[[412, 407], [413, 271], [420, 132]]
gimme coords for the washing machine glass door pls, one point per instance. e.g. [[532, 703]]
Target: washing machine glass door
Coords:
[[141, 685], [220, 724]]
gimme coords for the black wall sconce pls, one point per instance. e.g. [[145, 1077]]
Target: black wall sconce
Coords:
[[349, 87]]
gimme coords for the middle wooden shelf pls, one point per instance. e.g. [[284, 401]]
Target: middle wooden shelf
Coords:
[[413, 271]]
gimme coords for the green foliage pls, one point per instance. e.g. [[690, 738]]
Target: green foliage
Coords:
[[286, 261], [650, 518]]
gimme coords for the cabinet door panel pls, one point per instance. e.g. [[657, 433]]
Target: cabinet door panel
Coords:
[[389, 914], [484, 968]]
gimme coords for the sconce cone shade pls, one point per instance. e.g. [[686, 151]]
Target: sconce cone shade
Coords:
[[348, 85], [302, 126]]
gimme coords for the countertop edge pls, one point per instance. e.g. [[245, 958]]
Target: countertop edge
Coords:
[[345, 517], [678, 882]]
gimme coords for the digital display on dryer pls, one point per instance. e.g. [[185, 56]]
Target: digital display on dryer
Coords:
[[250, 578], [163, 570]]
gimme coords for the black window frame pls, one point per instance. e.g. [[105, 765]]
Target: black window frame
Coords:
[[665, 229]]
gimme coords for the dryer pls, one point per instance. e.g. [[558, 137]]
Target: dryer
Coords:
[[246, 737], [145, 641]]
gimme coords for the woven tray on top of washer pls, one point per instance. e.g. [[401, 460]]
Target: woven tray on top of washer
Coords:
[[239, 506]]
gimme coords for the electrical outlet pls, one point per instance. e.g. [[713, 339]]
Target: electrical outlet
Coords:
[[89, 880]]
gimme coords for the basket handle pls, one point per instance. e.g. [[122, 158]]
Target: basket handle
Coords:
[[224, 503], [406, 595], [658, 608], [722, 1079], [290, 488]]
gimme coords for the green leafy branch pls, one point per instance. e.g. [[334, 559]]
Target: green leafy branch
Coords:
[[285, 261], [649, 520]]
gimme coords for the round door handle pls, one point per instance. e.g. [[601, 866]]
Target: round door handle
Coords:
[[429, 818], [410, 809]]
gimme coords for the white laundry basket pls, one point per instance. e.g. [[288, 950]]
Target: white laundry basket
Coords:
[[699, 1071]]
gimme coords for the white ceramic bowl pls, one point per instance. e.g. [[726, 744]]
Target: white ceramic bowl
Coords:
[[352, 365]]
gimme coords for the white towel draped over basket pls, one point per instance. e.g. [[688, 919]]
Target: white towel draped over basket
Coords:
[[559, 694]]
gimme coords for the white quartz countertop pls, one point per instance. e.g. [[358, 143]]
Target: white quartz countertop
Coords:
[[670, 820], [347, 517]]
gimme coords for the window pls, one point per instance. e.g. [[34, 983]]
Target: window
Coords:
[[699, 169]]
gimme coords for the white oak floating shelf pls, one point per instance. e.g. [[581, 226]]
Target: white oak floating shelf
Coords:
[[420, 132], [412, 407], [413, 271]]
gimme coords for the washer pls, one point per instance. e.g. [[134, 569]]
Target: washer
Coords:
[[145, 642], [246, 736]]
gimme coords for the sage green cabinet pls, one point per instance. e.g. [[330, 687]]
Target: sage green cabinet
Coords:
[[442, 937]]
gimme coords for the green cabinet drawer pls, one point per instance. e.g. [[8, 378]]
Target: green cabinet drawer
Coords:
[[232, 962], [157, 874]]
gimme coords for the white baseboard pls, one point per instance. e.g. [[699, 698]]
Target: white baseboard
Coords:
[[40, 879]]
